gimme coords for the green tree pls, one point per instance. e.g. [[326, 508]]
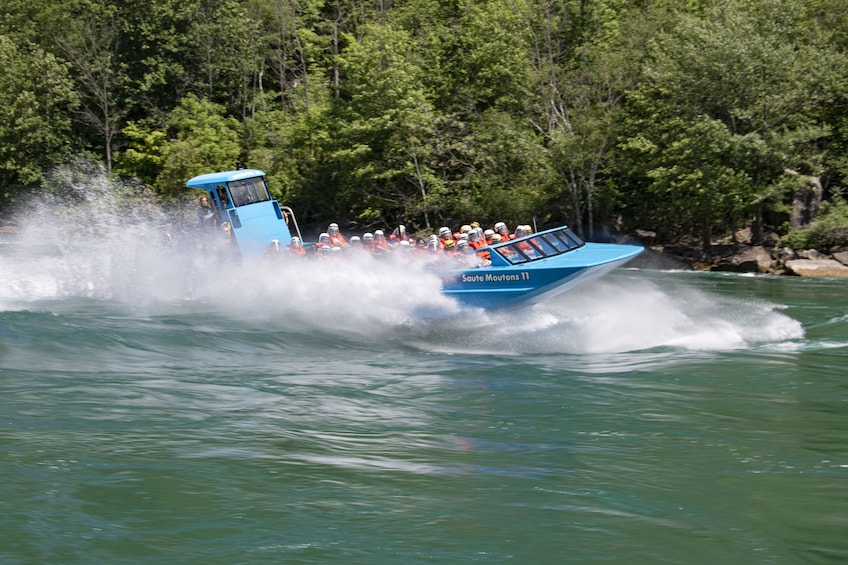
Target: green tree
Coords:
[[36, 99], [90, 44], [201, 139], [383, 125], [747, 78]]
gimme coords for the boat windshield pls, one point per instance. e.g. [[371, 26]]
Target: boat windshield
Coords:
[[539, 246], [248, 191]]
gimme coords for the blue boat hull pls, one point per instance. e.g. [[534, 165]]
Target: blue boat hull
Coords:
[[514, 285]]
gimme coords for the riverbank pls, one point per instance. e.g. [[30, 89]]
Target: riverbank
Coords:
[[740, 257]]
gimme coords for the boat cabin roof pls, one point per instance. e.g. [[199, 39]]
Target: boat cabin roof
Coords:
[[210, 180]]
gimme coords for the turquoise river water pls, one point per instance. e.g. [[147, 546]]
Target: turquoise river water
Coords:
[[154, 409]]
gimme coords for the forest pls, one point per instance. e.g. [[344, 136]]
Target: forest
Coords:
[[692, 119]]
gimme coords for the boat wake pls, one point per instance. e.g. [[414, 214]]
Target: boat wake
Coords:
[[626, 312]]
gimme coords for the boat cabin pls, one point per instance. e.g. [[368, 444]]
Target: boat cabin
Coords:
[[241, 203]]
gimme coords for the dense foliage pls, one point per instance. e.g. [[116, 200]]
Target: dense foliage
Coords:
[[686, 118]]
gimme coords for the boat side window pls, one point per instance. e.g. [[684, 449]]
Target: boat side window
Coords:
[[556, 242], [575, 239], [248, 191], [543, 246], [565, 240], [513, 254]]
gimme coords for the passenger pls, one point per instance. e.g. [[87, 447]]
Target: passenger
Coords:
[[445, 235], [398, 235], [274, 251], [368, 242], [502, 229], [336, 237], [205, 213], [521, 231], [468, 255], [325, 252], [381, 244], [465, 229], [488, 235], [450, 247], [484, 254], [296, 248], [404, 248], [474, 240], [433, 244], [356, 242], [480, 234], [323, 241]]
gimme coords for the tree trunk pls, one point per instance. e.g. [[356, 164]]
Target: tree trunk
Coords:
[[806, 201]]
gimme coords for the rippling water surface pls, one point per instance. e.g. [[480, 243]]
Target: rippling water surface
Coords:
[[155, 410]]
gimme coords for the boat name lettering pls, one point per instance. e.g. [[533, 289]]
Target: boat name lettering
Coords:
[[503, 277]]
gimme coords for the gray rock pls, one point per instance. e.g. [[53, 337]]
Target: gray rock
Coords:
[[817, 268]]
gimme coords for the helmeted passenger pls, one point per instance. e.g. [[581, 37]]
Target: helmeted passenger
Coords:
[[488, 234], [274, 250], [296, 247], [450, 247], [526, 248], [445, 235], [502, 229], [368, 241], [398, 235], [323, 241], [433, 244], [381, 244], [474, 240], [467, 255], [485, 255], [336, 237]]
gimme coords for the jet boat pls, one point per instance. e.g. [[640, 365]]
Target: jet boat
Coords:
[[520, 271]]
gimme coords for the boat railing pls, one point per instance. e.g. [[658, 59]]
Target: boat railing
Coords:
[[288, 215], [535, 247]]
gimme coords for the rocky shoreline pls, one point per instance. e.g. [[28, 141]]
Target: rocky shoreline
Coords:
[[739, 257]]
